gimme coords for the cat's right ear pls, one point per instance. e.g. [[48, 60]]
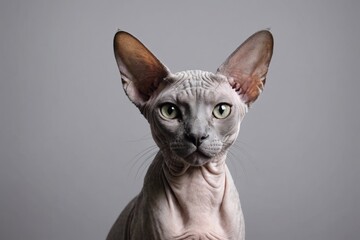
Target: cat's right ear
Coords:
[[141, 72]]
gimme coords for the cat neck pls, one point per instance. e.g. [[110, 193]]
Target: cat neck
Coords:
[[176, 168], [196, 187], [193, 196]]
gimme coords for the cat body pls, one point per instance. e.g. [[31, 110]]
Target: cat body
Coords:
[[195, 116]]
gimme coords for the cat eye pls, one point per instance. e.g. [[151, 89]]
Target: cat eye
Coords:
[[222, 110], [169, 111]]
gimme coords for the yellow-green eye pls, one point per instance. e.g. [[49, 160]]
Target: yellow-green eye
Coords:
[[222, 110], [169, 111]]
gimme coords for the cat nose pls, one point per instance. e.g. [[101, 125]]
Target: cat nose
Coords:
[[196, 139]]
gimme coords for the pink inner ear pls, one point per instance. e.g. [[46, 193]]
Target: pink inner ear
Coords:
[[141, 71], [247, 66], [249, 91]]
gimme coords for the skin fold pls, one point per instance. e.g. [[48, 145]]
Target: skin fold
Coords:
[[194, 116]]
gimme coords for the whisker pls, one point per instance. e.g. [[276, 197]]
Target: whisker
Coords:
[[240, 156], [244, 149], [147, 153], [139, 155], [145, 164], [232, 159], [237, 163]]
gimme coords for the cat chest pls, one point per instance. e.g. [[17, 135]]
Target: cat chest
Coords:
[[197, 227], [199, 236]]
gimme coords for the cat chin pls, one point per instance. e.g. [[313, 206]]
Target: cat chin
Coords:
[[197, 159]]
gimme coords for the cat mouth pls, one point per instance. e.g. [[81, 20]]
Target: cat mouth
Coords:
[[198, 158], [195, 156]]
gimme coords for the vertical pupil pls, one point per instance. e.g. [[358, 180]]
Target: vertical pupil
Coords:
[[222, 109], [171, 110]]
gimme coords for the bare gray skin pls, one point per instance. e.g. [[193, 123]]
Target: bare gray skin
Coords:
[[194, 116]]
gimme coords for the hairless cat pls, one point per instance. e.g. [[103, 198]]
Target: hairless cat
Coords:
[[194, 116]]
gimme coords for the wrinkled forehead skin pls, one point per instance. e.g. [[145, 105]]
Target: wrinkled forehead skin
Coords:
[[196, 91]]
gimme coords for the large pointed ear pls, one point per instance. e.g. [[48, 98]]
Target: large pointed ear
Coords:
[[247, 66], [141, 72]]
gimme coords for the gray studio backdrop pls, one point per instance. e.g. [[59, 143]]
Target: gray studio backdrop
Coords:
[[74, 150]]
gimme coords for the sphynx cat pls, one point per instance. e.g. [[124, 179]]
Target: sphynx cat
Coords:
[[194, 116]]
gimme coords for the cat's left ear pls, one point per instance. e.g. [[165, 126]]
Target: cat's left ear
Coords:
[[141, 72], [247, 66]]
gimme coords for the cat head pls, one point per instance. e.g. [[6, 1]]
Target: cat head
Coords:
[[194, 115]]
